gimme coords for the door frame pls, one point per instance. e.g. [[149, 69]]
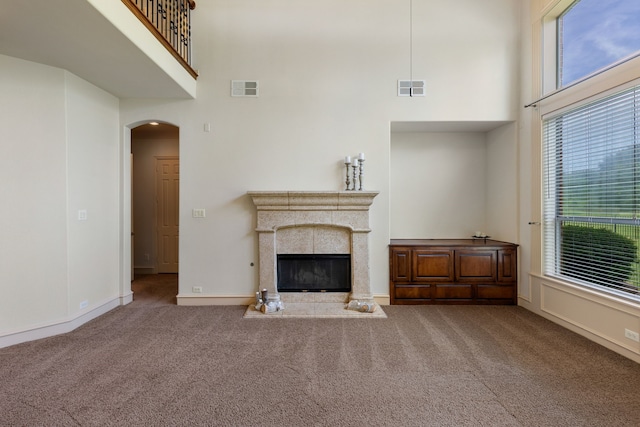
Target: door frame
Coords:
[[126, 207]]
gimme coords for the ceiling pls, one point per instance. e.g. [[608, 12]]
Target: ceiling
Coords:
[[73, 35], [472, 126], [149, 131]]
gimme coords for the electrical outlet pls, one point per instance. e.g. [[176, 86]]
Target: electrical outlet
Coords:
[[632, 335], [146, 257], [197, 289], [199, 213]]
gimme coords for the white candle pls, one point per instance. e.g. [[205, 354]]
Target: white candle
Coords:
[[361, 156], [355, 162], [347, 159]]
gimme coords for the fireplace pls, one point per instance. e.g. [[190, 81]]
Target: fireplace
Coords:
[[314, 273], [310, 224]]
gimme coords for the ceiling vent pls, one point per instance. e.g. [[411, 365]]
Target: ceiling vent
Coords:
[[244, 88], [411, 87]]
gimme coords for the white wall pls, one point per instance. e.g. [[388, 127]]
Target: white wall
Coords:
[[328, 73], [438, 185], [501, 186], [33, 253], [92, 185], [60, 136]]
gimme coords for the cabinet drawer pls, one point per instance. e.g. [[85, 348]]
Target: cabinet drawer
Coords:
[[432, 265], [496, 291], [455, 291], [413, 291]]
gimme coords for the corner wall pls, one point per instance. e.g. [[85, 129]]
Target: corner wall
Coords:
[[33, 253], [61, 136]]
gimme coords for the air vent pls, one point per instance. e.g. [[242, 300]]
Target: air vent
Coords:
[[244, 88], [411, 87]]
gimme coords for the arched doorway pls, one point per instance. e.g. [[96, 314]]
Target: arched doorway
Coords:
[[155, 178]]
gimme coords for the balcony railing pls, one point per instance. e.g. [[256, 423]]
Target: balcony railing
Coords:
[[170, 22]]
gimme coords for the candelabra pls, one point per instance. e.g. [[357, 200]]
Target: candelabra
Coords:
[[347, 163], [355, 173], [361, 161]]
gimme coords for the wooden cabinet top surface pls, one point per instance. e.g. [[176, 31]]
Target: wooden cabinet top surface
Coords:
[[480, 243]]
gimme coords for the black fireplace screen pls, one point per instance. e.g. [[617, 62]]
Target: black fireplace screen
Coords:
[[314, 273]]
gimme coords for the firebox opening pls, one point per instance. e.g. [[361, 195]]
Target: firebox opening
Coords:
[[314, 273]]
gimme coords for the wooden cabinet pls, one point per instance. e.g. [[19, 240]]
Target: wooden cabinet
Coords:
[[453, 271]]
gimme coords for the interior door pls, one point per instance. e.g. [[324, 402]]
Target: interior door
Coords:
[[167, 218]]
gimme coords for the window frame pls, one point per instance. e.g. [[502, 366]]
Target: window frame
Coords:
[[616, 78], [554, 204], [599, 81]]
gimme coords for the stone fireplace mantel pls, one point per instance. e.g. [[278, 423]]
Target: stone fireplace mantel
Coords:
[[308, 222]]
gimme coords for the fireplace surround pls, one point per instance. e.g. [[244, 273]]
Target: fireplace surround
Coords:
[[314, 222]]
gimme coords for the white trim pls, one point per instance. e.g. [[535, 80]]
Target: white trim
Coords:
[[382, 299], [193, 300], [598, 317], [62, 327], [614, 80], [126, 298]]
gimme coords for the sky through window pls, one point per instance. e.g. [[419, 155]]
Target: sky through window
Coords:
[[597, 33]]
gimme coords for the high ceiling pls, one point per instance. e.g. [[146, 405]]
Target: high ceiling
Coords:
[[73, 35], [446, 126]]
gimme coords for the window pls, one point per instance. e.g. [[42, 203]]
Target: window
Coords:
[[592, 193], [592, 34]]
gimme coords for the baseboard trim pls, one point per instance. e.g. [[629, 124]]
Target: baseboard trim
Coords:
[[61, 327], [382, 299], [194, 300], [126, 299], [144, 270]]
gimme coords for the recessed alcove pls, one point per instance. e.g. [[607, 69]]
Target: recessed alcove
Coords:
[[451, 179]]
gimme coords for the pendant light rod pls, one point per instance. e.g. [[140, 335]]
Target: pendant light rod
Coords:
[[411, 47]]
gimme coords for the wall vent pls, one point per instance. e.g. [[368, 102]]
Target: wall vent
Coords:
[[244, 88], [411, 87]]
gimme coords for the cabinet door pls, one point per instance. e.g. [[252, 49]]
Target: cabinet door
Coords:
[[431, 265], [507, 265], [476, 265], [401, 265]]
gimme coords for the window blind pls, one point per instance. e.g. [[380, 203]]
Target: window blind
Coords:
[[592, 193]]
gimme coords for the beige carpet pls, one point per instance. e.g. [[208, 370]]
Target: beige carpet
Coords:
[[154, 363]]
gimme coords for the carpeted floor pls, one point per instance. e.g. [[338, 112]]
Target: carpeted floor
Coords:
[[154, 363]]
